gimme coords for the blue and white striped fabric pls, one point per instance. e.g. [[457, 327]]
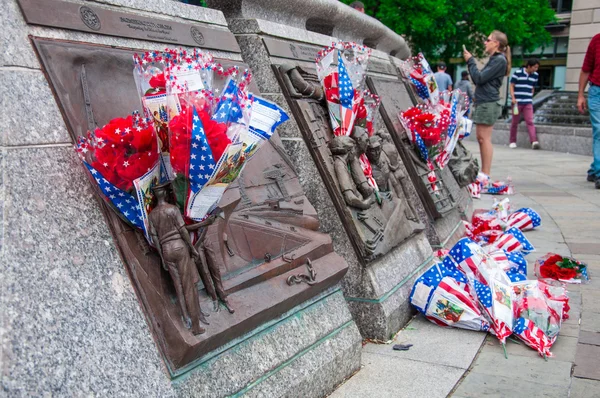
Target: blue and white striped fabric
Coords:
[[524, 84]]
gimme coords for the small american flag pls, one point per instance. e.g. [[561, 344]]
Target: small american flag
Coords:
[[202, 163], [126, 204], [346, 92], [513, 240], [524, 219]]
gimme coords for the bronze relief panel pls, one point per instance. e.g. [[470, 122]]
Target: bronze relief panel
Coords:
[[255, 257], [376, 221], [396, 97]]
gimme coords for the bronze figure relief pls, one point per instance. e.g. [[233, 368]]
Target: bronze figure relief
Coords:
[[376, 220]]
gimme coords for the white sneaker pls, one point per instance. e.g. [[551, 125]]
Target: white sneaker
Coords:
[[535, 145], [512, 145]]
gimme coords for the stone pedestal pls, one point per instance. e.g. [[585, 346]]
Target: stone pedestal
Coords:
[[75, 318]]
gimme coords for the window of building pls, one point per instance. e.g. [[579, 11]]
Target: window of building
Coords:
[[561, 6]]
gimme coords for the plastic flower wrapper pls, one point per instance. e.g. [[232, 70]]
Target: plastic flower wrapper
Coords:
[[342, 70], [556, 291], [213, 137], [524, 219], [501, 209], [537, 317], [123, 161], [419, 74], [560, 268], [443, 296], [489, 284], [425, 129], [453, 105]]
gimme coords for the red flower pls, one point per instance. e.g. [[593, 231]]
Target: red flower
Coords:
[[180, 128], [550, 271], [553, 259], [566, 273], [158, 82], [411, 112]]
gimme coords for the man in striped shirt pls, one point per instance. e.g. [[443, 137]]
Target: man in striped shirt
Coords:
[[522, 84]]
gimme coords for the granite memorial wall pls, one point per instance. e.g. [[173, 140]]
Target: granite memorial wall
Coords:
[[87, 308]]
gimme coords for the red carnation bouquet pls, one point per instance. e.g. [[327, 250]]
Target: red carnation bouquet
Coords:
[[123, 159], [564, 269], [201, 126]]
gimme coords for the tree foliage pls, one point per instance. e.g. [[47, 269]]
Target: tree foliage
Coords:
[[439, 28]]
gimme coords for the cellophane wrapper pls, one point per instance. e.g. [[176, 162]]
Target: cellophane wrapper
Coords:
[[122, 159]]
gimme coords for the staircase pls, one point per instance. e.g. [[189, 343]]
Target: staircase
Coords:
[[560, 109]]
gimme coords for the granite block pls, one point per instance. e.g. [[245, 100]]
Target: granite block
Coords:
[[72, 323], [16, 50], [260, 26], [169, 8], [388, 271], [28, 109], [448, 226], [381, 319], [256, 56], [311, 374]]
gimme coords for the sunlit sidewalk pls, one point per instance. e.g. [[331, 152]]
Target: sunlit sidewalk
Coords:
[[462, 363]]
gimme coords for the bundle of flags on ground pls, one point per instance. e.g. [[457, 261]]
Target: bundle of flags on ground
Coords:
[[481, 282]]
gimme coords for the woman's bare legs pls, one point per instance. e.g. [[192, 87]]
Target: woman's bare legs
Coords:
[[484, 137]]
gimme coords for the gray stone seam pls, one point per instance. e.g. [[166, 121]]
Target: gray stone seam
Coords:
[[393, 290], [184, 372], [34, 146], [296, 356], [422, 361], [19, 68]]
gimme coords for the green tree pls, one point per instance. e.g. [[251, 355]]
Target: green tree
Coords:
[[439, 28]]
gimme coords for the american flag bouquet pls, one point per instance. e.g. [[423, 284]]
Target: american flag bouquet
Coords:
[[215, 126], [427, 129], [342, 70], [491, 285], [452, 107], [443, 296], [122, 159], [418, 72], [199, 128], [561, 268], [538, 315]]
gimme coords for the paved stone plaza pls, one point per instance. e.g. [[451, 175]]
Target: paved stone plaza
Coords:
[[461, 363]]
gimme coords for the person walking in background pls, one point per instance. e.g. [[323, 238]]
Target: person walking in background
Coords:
[[487, 92], [358, 6], [522, 86], [590, 71], [464, 85], [443, 80]]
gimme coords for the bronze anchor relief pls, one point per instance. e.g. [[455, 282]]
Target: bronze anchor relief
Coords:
[[376, 222], [264, 215]]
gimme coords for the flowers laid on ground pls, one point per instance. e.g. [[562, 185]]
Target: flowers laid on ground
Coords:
[[481, 283], [201, 127], [564, 269]]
